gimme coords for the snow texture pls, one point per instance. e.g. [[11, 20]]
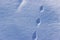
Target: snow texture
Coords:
[[29, 20]]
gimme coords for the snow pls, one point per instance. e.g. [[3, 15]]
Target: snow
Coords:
[[29, 20]]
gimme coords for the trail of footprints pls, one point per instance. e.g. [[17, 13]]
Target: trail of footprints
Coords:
[[35, 36]]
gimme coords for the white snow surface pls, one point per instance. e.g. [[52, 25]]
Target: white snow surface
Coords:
[[18, 19]]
